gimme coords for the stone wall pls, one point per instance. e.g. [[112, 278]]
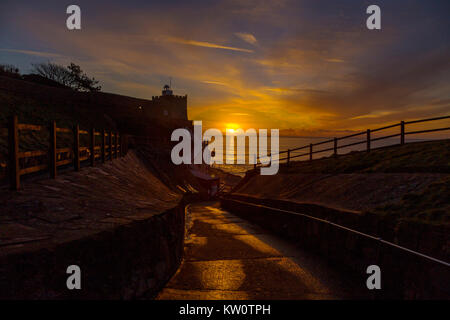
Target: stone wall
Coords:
[[117, 221], [130, 261], [404, 275], [94, 109]]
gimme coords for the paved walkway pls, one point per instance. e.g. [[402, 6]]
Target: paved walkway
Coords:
[[227, 257]]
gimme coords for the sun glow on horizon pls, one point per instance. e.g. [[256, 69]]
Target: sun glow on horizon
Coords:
[[232, 127]]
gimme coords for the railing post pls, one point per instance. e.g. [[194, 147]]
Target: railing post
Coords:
[[103, 145], [52, 149], [76, 147], [110, 145], [14, 167], [116, 149], [368, 140], [310, 151], [121, 146], [288, 157], [335, 146], [402, 132], [92, 147]]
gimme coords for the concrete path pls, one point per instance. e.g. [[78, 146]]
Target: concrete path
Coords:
[[227, 257]]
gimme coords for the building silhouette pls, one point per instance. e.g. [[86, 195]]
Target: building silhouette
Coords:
[[168, 105]]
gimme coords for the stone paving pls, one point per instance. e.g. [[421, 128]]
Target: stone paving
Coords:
[[227, 257]]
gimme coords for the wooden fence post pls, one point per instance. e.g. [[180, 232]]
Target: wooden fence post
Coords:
[[368, 140], [335, 147], [52, 149], [121, 146], [402, 132], [14, 166], [310, 151], [92, 147], [110, 145], [289, 157], [116, 149], [103, 145], [76, 147]]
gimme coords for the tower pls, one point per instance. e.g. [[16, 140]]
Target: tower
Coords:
[[167, 91], [168, 105]]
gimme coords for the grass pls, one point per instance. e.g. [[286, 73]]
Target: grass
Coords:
[[431, 205], [432, 156]]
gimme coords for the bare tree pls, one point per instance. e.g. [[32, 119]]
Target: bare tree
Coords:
[[81, 81], [72, 76], [9, 70], [53, 72]]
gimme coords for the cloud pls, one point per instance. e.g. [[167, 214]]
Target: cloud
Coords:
[[34, 53], [334, 60], [240, 114], [317, 67], [215, 82], [401, 88], [206, 44], [375, 114], [247, 37]]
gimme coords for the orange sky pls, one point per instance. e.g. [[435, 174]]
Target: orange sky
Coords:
[[304, 67]]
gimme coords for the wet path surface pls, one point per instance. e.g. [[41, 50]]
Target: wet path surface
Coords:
[[227, 257]]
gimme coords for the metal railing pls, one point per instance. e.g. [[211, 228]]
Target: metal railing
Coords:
[[365, 235]]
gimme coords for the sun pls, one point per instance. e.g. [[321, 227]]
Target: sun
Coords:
[[231, 127]]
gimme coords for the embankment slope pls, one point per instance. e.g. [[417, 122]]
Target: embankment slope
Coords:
[[384, 180], [117, 221], [397, 194]]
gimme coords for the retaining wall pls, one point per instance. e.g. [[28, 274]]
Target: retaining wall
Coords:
[[132, 260], [403, 275]]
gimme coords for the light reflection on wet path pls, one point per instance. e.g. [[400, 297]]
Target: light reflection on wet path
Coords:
[[227, 257]]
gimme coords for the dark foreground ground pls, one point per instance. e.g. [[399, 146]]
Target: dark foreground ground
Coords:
[[227, 257]]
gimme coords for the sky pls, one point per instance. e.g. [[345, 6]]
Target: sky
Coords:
[[305, 67]]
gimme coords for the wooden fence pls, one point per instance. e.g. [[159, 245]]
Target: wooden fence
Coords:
[[402, 133], [112, 146]]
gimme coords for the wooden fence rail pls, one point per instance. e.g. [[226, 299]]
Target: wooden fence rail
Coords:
[[102, 153], [367, 141]]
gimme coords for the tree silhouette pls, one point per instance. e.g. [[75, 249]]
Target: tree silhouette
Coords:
[[9, 71], [71, 76], [81, 82], [53, 72]]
